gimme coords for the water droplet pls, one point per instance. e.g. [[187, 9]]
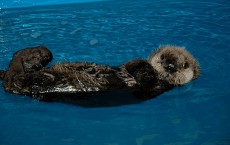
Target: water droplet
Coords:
[[93, 42], [35, 34]]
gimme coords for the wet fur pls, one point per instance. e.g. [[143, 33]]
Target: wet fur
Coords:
[[187, 68], [85, 83]]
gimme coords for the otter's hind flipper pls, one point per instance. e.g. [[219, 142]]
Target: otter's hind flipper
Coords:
[[25, 61], [30, 60], [33, 59]]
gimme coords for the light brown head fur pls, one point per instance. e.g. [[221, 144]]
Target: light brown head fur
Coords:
[[174, 65]]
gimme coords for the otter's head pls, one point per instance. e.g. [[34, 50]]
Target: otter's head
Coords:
[[174, 65]]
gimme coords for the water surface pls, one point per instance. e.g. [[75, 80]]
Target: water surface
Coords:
[[113, 32]]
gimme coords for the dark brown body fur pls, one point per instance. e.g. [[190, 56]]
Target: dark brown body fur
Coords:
[[82, 83]]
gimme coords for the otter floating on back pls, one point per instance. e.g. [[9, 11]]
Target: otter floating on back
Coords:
[[92, 85]]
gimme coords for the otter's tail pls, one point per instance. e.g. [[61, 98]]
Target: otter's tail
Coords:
[[2, 74]]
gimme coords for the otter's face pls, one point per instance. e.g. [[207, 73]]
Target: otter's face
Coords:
[[174, 65]]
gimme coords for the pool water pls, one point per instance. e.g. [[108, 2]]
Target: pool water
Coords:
[[113, 32]]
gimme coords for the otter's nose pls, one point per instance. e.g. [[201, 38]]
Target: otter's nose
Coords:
[[171, 68]]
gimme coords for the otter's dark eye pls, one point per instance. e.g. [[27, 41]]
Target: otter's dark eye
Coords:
[[186, 65], [162, 57]]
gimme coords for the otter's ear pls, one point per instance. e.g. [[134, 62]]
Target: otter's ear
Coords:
[[156, 55], [196, 70]]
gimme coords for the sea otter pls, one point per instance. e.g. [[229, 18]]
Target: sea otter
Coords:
[[90, 84]]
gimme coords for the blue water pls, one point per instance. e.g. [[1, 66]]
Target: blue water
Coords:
[[113, 32], [30, 3]]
